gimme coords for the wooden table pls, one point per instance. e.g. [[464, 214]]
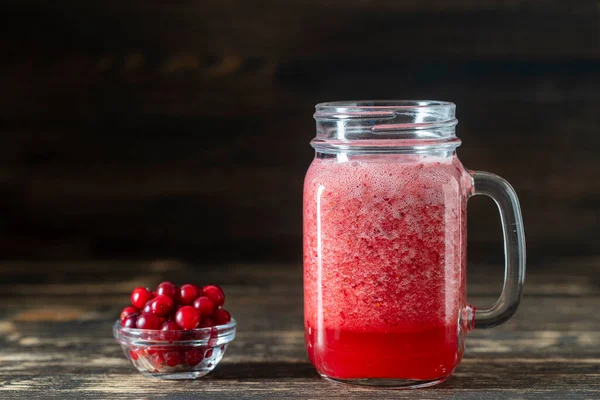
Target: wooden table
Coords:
[[55, 331]]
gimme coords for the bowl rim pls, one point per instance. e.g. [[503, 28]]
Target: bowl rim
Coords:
[[231, 324], [127, 336]]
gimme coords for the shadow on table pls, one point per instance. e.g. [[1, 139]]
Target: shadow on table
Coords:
[[266, 370]]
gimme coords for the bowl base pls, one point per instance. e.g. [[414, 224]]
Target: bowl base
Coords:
[[176, 375], [389, 383]]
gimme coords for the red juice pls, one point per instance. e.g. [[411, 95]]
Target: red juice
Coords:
[[384, 265]]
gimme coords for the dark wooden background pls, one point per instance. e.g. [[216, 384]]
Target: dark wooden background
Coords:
[[180, 128]]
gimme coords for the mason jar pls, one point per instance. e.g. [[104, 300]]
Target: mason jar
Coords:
[[385, 203]]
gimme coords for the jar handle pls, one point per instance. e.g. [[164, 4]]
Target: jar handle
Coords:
[[505, 197]]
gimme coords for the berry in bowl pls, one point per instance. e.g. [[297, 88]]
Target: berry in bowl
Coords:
[[175, 333]]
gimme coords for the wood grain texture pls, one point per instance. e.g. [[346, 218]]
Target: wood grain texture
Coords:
[[299, 28], [181, 129], [57, 340]]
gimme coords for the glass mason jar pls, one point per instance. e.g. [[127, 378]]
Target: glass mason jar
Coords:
[[385, 244]]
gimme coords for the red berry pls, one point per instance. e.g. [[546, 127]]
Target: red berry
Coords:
[[133, 355], [161, 305], [214, 293], [205, 305], [140, 296], [208, 353], [168, 289], [173, 358], [149, 321], [128, 311], [152, 350], [194, 357], [171, 331], [147, 308], [130, 321], [170, 326], [187, 294], [187, 317], [221, 316], [206, 323]]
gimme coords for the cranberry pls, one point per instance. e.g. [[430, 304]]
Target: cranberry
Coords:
[[168, 289], [205, 305], [170, 326], [214, 293], [128, 311], [152, 350], [173, 358], [171, 331], [187, 317], [206, 323], [194, 357], [140, 296], [133, 355], [148, 321], [130, 321], [187, 294], [147, 308], [161, 305], [208, 354], [221, 316]]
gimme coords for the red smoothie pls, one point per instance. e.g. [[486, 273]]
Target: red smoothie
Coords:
[[384, 265]]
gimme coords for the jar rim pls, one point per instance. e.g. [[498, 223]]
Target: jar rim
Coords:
[[385, 126], [385, 104], [384, 109]]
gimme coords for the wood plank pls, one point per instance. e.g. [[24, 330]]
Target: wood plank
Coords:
[[482, 379], [276, 28], [66, 325], [79, 92], [108, 146], [408, 5]]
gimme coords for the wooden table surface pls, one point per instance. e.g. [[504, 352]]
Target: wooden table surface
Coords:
[[55, 332]]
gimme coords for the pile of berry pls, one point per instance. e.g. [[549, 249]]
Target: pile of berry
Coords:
[[171, 308]]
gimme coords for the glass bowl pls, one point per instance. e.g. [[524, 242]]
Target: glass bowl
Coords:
[[175, 354]]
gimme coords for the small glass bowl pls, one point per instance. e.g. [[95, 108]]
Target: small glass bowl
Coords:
[[175, 354]]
